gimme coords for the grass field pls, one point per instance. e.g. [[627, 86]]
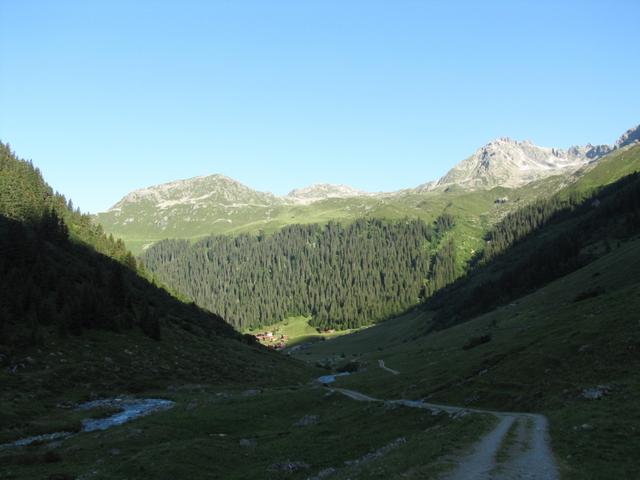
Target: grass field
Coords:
[[297, 431], [545, 350], [298, 331]]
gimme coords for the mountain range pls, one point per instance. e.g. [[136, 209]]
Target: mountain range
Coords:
[[525, 300], [216, 204]]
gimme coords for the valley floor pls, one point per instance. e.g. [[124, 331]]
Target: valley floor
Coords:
[[303, 431], [572, 361], [552, 352]]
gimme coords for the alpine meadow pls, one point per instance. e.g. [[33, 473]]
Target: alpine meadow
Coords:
[[319, 241]]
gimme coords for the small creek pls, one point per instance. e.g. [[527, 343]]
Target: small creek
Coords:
[[129, 409], [331, 378]]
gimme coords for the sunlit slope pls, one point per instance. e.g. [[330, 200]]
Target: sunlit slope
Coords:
[[616, 165], [475, 211]]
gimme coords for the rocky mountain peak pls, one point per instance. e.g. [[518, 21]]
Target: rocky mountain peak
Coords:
[[209, 189], [322, 191], [511, 163], [630, 136]]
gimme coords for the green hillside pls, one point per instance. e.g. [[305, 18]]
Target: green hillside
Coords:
[[563, 341], [348, 276], [616, 165], [140, 224], [566, 348], [75, 323]]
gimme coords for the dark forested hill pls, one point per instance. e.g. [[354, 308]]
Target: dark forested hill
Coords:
[[342, 276], [26, 197], [65, 306], [540, 243]]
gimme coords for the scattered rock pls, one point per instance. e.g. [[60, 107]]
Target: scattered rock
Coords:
[[584, 426], [288, 466], [13, 369], [596, 393], [250, 393], [327, 472], [459, 414], [115, 452], [378, 453], [248, 443], [307, 421]]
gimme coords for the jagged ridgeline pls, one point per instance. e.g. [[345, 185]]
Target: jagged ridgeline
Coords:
[[53, 280], [341, 276]]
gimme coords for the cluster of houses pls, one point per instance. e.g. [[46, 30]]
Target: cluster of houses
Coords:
[[271, 340]]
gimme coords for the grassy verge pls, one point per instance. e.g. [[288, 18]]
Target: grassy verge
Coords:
[[231, 434], [545, 350]]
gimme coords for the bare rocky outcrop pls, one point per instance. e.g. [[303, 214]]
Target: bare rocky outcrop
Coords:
[[629, 137], [323, 191], [510, 163], [307, 421]]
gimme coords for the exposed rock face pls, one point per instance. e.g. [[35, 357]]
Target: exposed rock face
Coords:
[[597, 151], [322, 191], [510, 163], [216, 190], [201, 191], [630, 136]]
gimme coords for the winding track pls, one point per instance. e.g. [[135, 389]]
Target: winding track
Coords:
[[384, 367], [530, 457]]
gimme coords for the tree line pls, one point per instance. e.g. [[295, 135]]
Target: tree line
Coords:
[[538, 244], [343, 276], [54, 281], [26, 197]]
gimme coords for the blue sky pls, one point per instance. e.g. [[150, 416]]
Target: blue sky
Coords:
[[110, 96]]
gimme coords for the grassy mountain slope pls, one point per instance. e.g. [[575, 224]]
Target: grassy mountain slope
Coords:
[[550, 348], [76, 323], [256, 270], [140, 225], [545, 351], [616, 165]]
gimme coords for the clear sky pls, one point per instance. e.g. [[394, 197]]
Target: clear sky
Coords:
[[109, 96]]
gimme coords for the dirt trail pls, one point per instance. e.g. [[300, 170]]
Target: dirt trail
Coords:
[[384, 367], [530, 457]]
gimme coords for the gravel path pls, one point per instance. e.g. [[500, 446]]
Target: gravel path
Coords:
[[529, 458]]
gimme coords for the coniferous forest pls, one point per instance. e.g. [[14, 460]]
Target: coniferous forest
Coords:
[[540, 243], [61, 275], [341, 276]]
